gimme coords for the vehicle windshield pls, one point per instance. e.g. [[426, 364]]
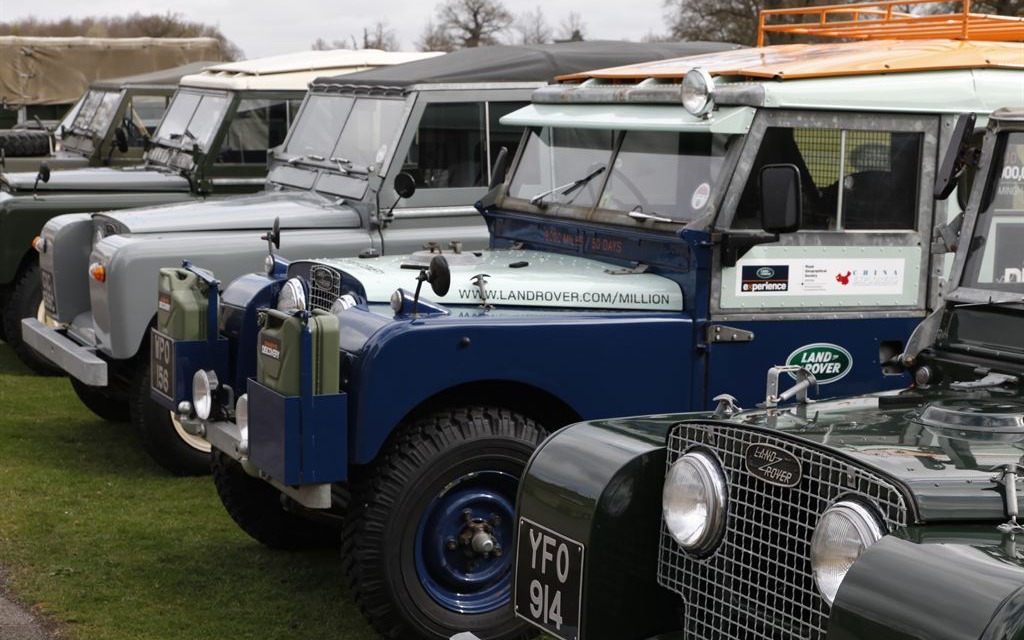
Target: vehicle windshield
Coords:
[[94, 118], [667, 174], [345, 138], [192, 119], [996, 256]]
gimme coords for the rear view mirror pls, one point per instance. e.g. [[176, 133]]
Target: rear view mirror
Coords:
[[405, 185], [780, 198]]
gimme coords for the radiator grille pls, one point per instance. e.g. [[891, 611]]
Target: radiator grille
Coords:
[[324, 287], [758, 582]]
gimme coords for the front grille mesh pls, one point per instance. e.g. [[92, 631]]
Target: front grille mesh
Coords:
[[757, 583], [324, 287]]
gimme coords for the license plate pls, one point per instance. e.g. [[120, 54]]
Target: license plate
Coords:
[[49, 301], [161, 364], [549, 580]]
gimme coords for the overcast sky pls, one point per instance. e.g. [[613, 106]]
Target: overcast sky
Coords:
[[269, 27]]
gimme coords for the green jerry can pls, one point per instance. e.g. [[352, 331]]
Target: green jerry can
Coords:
[[182, 305], [278, 363]]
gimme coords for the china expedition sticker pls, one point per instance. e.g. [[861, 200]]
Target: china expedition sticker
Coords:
[[822, 276]]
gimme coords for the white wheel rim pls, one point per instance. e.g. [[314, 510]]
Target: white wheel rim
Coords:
[[195, 442]]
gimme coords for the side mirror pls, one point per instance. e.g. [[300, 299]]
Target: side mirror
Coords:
[[499, 169], [780, 198], [121, 139], [958, 155], [405, 185]]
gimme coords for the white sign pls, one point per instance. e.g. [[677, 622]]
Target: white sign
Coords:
[[775, 277]]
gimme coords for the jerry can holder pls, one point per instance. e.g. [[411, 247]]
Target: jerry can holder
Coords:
[[302, 439], [172, 363]]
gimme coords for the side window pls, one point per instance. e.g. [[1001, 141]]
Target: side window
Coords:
[[502, 135], [851, 179], [257, 126], [448, 151], [143, 117]]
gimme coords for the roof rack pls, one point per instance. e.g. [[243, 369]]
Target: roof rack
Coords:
[[881, 20]]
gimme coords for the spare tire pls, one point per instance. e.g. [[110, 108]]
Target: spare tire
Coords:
[[24, 142]]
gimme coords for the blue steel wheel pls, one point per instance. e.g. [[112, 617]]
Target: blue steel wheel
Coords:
[[427, 546]]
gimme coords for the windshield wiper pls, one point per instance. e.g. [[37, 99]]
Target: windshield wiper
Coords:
[[301, 158], [567, 188]]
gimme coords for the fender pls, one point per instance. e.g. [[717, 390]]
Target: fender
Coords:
[[22, 217], [941, 583], [69, 267], [396, 372], [608, 499]]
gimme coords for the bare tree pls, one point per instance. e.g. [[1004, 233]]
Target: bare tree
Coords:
[[532, 27], [435, 38], [381, 37], [322, 45], [473, 23], [168, 25], [571, 29]]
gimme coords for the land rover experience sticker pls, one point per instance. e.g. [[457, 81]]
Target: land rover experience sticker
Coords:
[[764, 278], [823, 277]]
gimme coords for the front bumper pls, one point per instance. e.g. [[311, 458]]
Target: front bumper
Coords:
[[77, 360]]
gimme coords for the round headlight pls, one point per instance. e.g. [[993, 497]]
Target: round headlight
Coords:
[[292, 296], [396, 301], [204, 383], [346, 301], [844, 531], [242, 420], [693, 501], [698, 92]]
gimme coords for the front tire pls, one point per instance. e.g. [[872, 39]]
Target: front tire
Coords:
[[258, 508], [24, 301], [162, 437], [409, 543], [107, 404]]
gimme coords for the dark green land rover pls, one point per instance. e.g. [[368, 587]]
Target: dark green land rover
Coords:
[[891, 515]]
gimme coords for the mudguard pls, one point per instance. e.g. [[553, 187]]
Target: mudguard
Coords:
[[599, 483], [940, 583]]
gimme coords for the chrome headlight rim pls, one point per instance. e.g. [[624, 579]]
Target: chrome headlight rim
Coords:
[[866, 522], [292, 296], [698, 92], [705, 537], [204, 383], [242, 422]]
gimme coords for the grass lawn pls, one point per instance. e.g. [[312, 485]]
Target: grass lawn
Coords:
[[95, 536]]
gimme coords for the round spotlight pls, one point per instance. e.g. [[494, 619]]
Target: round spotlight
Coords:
[[698, 92], [204, 383]]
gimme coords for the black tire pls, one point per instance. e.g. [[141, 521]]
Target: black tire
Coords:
[[21, 143], [103, 401], [25, 298], [160, 438], [258, 508], [395, 520]]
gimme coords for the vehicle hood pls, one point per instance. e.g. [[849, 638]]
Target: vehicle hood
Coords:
[[519, 278], [948, 467], [98, 179], [295, 209]]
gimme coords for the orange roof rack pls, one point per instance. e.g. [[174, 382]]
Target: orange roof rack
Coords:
[[882, 20]]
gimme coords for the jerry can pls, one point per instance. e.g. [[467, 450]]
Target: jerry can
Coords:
[[278, 361], [182, 304]]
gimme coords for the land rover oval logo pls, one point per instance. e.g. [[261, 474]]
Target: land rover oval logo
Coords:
[[828, 362], [773, 465], [765, 272]]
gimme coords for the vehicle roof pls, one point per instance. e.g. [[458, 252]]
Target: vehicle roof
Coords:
[[296, 70], [517, 63], [793, 61], [1009, 113], [161, 77]]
